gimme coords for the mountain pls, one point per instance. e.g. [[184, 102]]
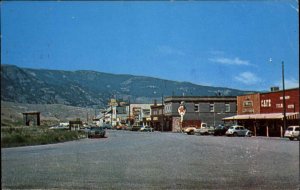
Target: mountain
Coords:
[[90, 88]]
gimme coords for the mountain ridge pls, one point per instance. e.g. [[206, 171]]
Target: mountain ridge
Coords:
[[88, 88]]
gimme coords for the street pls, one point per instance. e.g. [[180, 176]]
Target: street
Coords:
[[154, 160]]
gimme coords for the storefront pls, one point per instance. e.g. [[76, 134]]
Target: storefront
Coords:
[[270, 124]]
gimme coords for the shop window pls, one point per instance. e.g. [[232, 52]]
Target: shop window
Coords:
[[196, 107], [211, 107], [248, 103], [227, 107]]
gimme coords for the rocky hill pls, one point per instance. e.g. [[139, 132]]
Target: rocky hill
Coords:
[[89, 88]]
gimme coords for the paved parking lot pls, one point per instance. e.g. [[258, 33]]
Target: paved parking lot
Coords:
[[136, 160]]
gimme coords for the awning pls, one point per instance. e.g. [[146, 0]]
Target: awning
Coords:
[[263, 116]]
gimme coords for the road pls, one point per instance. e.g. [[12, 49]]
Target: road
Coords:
[[136, 160]]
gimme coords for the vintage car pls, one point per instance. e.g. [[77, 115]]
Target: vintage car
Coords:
[[292, 132], [238, 130], [96, 132]]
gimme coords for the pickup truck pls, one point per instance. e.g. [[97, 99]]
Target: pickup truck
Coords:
[[191, 130], [207, 130]]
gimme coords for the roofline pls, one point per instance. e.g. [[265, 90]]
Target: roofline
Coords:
[[200, 98], [259, 93]]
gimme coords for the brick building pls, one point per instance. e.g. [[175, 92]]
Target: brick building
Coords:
[[263, 112]]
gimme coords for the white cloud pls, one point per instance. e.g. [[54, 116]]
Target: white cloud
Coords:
[[247, 78], [170, 50], [288, 83], [228, 61], [295, 8]]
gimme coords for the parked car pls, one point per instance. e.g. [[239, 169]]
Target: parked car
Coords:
[[292, 132], [107, 126], [86, 129], [146, 129], [238, 130], [61, 127], [96, 132], [119, 127], [206, 130], [220, 130], [136, 128], [128, 127]]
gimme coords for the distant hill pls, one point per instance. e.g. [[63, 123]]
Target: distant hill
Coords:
[[89, 88], [11, 113]]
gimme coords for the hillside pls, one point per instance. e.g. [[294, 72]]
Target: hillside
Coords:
[[90, 88], [11, 113]]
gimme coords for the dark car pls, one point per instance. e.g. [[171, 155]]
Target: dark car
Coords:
[[136, 128], [96, 132], [220, 130], [107, 126]]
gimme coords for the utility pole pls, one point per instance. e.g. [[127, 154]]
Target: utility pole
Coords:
[[283, 98], [111, 113], [129, 111]]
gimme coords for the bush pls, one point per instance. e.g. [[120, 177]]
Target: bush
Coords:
[[21, 136]]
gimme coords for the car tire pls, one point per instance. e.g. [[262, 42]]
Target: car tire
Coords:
[[192, 132], [291, 138], [235, 134]]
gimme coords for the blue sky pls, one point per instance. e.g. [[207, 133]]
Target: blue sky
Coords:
[[215, 43]]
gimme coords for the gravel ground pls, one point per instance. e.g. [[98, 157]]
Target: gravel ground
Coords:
[[136, 160]]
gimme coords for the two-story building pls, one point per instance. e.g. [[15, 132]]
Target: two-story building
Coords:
[[158, 119], [207, 109], [141, 113]]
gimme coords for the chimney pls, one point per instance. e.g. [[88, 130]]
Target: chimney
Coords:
[[155, 103], [274, 88]]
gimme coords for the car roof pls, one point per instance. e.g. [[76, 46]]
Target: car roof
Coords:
[[294, 126]]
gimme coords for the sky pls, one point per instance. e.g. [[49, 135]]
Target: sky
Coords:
[[234, 44]]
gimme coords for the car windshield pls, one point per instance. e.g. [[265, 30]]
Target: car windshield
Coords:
[[231, 128], [290, 128]]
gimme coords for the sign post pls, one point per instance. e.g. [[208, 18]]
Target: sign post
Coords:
[[181, 111]]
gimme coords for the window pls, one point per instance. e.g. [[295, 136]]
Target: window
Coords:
[[227, 107], [196, 107], [211, 107], [247, 103]]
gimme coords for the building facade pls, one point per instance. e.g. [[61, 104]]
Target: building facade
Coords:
[[209, 109], [158, 119], [263, 113]]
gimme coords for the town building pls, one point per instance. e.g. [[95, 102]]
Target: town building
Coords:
[[263, 113], [141, 114], [121, 113], [158, 119], [207, 109]]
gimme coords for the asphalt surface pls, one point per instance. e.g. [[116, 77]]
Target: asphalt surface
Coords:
[[137, 160]]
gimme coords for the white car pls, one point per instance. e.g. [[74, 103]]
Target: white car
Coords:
[[238, 130], [59, 127], [292, 132], [146, 129]]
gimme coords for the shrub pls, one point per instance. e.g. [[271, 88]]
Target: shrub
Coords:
[[20, 136]]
